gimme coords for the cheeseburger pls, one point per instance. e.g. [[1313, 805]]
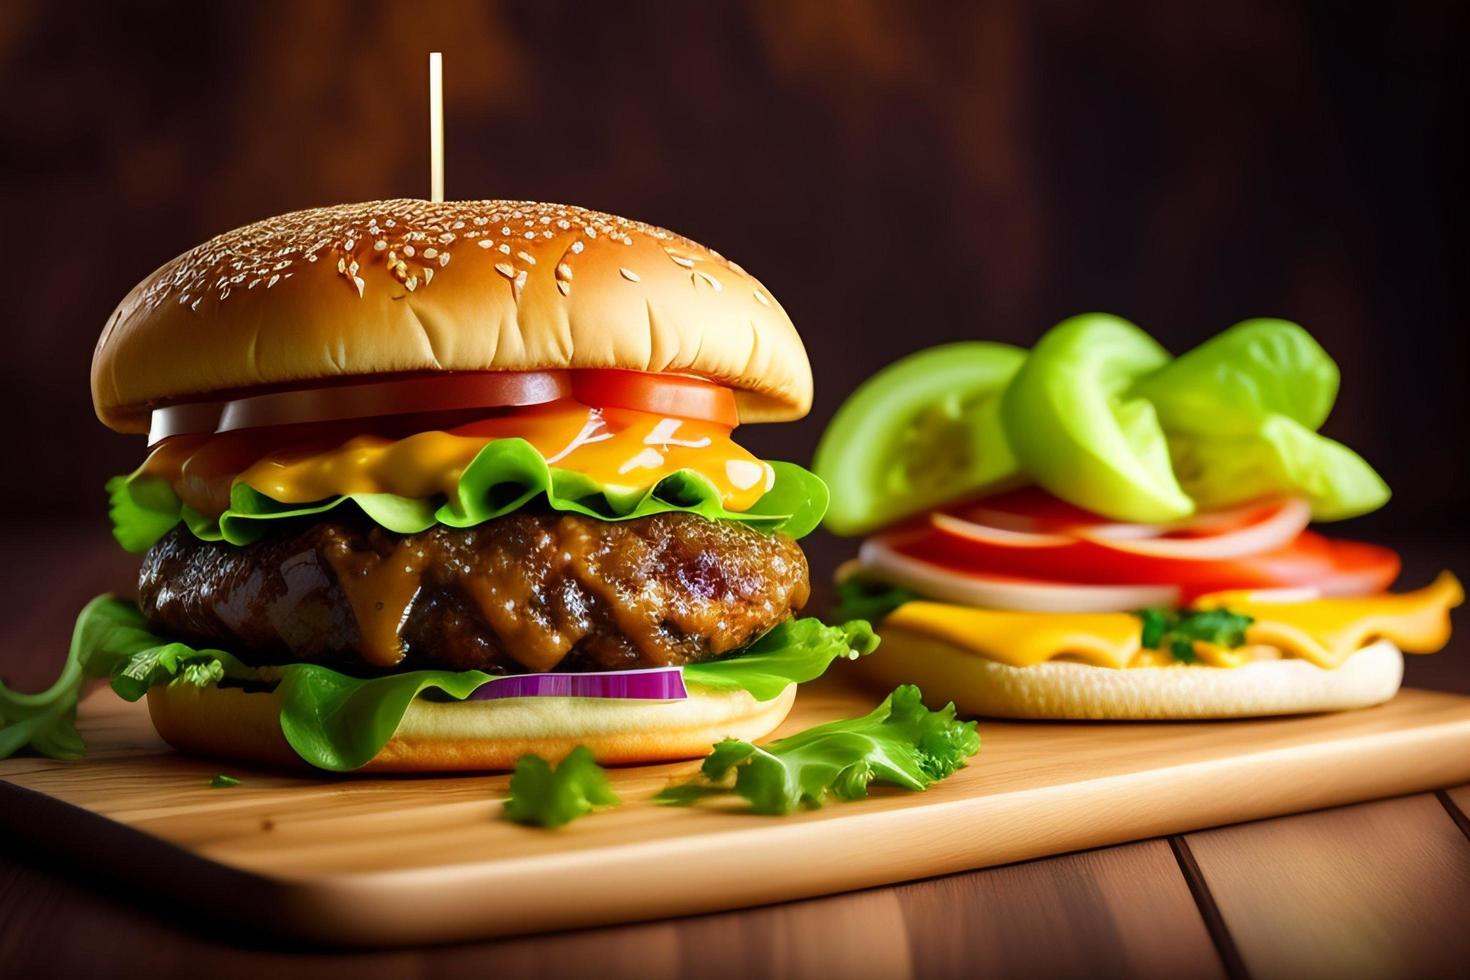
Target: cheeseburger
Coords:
[[1094, 529], [433, 485]]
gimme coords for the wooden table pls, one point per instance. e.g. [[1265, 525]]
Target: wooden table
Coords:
[[1378, 889]]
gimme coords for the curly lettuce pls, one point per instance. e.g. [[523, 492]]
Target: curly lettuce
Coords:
[[900, 742], [503, 477], [544, 795], [335, 721]]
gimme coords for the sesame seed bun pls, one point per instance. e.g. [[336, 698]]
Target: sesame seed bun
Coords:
[[441, 736], [391, 287], [1075, 691]]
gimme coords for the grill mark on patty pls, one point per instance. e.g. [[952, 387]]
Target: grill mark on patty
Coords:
[[529, 591]]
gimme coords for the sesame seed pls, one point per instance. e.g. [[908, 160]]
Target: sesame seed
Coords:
[[628, 274], [761, 298], [564, 286], [361, 286], [268, 252], [700, 274], [682, 260], [505, 269], [563, 271]]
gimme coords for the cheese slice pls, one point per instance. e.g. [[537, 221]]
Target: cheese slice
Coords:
[[621, 449], [1328, 631], [1023, 639], [1324, 632]]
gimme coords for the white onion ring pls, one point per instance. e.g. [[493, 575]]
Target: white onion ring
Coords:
[[999, 536], [1002, 592], [1275, 530]]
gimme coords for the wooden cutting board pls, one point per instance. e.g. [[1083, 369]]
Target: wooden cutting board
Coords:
[[379, 861]]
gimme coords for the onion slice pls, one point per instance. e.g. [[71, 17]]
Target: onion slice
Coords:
[[1006, 592], [1000, 536], [652, 684], [1276, 528]]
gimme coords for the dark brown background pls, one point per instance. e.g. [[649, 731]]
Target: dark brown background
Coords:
[[898, 174]]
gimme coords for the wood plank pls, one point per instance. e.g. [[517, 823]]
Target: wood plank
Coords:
[[1375, 890], [1459, 797], [377, 860], [1127, 905]]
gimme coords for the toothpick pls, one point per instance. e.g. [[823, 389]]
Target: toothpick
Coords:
[[436, 126]]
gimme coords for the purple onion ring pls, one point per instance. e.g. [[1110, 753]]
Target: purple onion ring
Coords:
[[653, 684]]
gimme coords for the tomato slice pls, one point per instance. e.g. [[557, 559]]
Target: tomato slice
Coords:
[[657, 394], [417, 395], [451, 392], [1310, 561]]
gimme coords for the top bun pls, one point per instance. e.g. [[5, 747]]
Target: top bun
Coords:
[[409, 286]]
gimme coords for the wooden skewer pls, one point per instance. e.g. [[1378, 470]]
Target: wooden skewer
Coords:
[[436, 126]]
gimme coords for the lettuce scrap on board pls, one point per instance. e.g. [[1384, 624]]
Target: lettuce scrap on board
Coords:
[[900, 742], [506, 475], [336, 721], [546, 795]]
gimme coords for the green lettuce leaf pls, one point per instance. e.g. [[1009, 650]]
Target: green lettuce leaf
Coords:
[[548, 796], [335, 721], [869, 599], [1232, 383], [107, 634], [506, 475], [1241, 412], [900, 742], [1281, 457], [1072, 420], [338, 722], [797, 651]]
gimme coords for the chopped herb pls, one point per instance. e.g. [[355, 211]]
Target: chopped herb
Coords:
[[900, 742], [550, 796], [221, 781], [1179, 630], [860, 598]]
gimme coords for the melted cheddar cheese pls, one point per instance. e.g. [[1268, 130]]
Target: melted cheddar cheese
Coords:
[[1324, 632], [621, 449]]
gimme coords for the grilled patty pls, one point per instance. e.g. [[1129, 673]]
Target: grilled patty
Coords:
[[525, 592]]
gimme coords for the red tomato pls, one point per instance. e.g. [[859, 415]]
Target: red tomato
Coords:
[[657, 394], [451, 392], [1311, 560]]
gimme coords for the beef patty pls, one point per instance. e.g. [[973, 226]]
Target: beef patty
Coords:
[[525, 592]]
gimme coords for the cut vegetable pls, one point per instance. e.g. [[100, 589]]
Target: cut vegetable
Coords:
[[1274, 528], [1077, 430], [1002, 591], [653, 684], [920, 432]]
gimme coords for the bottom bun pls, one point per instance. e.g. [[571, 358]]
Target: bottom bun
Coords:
[[440, 736], [1065, 690]]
